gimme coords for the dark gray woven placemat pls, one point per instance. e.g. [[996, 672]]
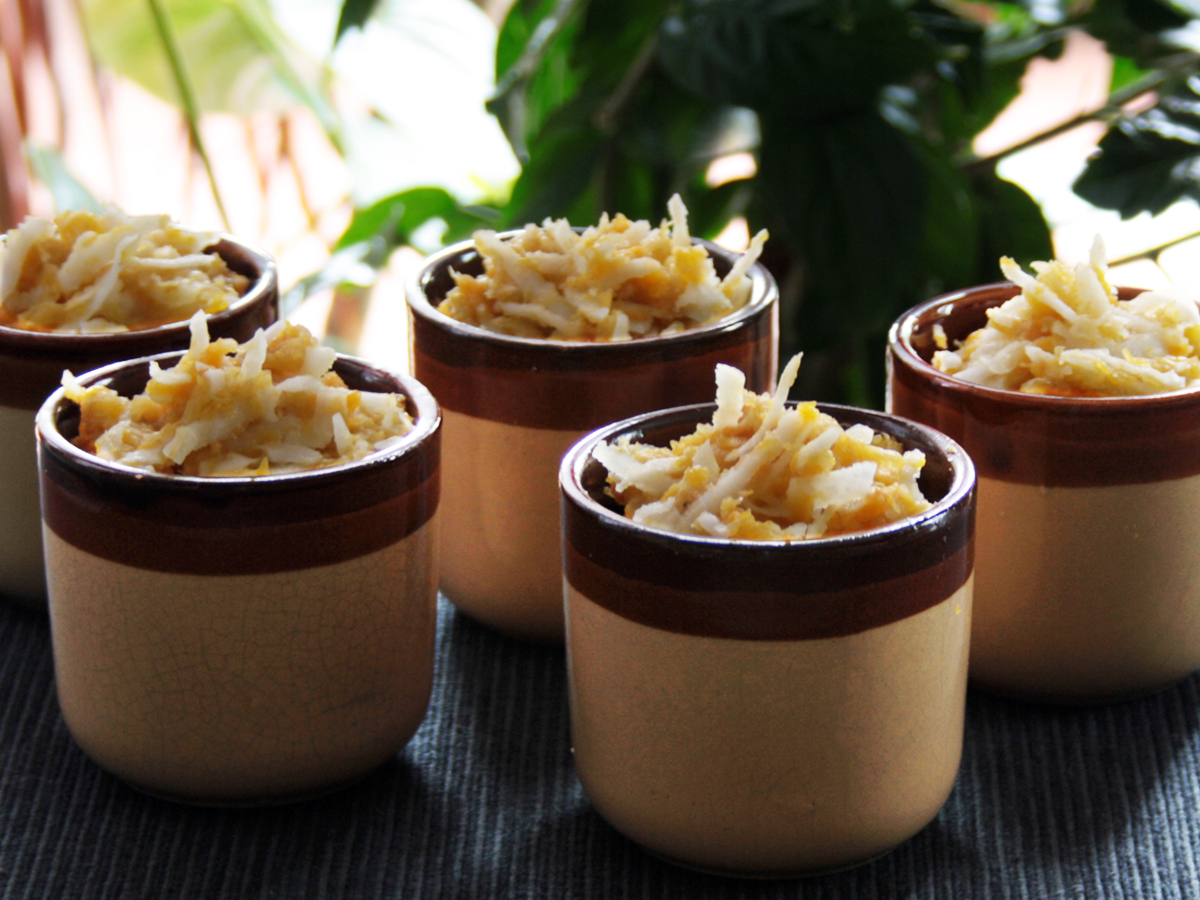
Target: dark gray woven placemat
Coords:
[[1050, 803]]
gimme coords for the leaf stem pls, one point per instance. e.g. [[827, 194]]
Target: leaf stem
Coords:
[[1154, 252], [187, 94], [608, 112]]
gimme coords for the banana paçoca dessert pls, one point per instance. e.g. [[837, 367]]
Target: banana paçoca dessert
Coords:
[[765, 471], [614, 281], [1067, 334], [84, 273], [268, 406]]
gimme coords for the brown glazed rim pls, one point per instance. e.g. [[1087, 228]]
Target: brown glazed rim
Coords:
[[482, 347], [244, 258], [989, 296], [768, 590], [287, 521], [1033, 439]]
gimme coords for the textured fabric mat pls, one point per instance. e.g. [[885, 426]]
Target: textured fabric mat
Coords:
[[1050, 803]]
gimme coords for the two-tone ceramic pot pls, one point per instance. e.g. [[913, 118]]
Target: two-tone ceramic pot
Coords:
[[513, 406], [247, 639], [768, 708], [1088, 580], [31, 368]]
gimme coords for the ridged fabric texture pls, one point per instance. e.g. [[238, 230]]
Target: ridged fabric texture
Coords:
[[1050, 803]]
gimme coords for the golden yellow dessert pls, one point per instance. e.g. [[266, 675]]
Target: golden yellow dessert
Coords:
[[765, 471], [83, 273], [1067, 334], [616, 281], [268, 406]]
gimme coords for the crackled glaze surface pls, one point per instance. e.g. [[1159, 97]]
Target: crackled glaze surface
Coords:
[[1087, 584], [1091, 593], [501, 519], [768, 708], [513, 406], [768, 758], [223, 688], [243, 639]]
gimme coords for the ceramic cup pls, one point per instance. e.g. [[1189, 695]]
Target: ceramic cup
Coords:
[[31, 368], [512, 408], [242, 640], [768, 708], [1089, 519]]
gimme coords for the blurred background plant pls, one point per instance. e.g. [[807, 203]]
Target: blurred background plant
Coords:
[[861, 133]]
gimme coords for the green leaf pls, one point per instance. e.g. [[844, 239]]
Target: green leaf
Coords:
[[395, 219], [354, 14], [561, 168], [539, 79], [68, 192], [1125, 73], [1138, 30], [613, 37], [850, 200], [950, 231], [711, 209], [806, 64], [240, 60], [1147, 162], [1011, 224]]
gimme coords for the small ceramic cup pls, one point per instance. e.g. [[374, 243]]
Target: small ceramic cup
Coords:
[[512, 408], [1088, 582], [768, 708], [31, 368], [242, 640]]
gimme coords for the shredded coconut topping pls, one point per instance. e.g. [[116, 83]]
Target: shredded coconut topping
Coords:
[[1067, 334], [766, 471], [88, 273], [616, 281], [269, 406]]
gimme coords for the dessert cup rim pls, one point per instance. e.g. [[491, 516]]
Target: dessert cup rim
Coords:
[[419, 400], [900, 344], [764, 292], [266, 283], [962, 483]]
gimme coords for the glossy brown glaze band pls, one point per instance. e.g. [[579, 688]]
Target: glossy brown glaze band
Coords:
[[583, 399], [770, 591], [578, 386], [32, 363], [1029, 439], [238, 526]]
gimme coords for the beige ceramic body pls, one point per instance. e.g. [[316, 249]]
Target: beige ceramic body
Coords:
[[242, 688], [243, 641], [31, 367], [503, 564], [1086, 593], [513, 407], [768, 758], [1087, 575], [773, 708]]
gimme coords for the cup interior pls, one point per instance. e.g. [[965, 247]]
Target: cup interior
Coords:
[[435, 281], [938, 480], [959, 314], [59, 419]]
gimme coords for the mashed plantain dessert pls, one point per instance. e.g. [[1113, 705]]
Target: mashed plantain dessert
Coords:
[[1067, 334], [83, 273], [269, 406], [765, 471], [615, 281]]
